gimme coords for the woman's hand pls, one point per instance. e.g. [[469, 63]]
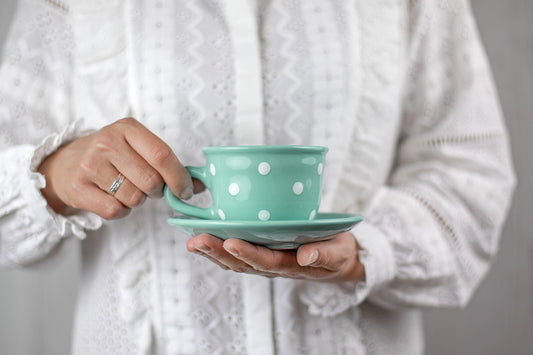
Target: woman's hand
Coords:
[[334, 260], [80, 174]]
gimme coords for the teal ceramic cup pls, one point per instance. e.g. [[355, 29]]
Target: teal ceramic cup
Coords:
[[258, 183]]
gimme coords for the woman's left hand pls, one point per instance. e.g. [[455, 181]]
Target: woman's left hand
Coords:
[[334, 260]]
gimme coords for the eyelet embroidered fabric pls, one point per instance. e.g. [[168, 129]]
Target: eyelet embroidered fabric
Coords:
[[333, 73]]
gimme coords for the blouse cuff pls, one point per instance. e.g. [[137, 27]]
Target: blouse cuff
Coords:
[[377, 257], [78, 220]]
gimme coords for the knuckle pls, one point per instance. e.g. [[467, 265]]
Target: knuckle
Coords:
[[324, 260], [127, 121], [74, 202], [152, 181], [74, 192], [77, 186], [89, 166], [103, 142], [331, 262], [274, 264], [160, 154], [136, 198], [112, 211], [265, 267]]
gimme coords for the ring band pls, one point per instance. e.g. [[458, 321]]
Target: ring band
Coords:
[[116, 184]]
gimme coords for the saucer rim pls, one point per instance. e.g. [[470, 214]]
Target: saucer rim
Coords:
[[254, 229], [326, 219]]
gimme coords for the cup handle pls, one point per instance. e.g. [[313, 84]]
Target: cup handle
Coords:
[[190, 210]]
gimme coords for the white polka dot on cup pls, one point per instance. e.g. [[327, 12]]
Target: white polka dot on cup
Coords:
[[298, 188], [233, 189], [221, 215], [312, 215], [212, 169], [264, 215], [264, 168], [320, 169]]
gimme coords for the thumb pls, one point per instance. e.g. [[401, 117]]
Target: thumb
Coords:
[[308, 257]]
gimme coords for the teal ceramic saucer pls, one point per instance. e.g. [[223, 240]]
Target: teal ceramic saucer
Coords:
[[271, 234]]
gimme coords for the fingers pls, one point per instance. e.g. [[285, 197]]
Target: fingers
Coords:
[[143, 176], [101, 203], [243, 257], [159, 156], [198, 186], [81, 173], [213, 248], [260, 258], [334, 260], [128, 193], [280, 262]]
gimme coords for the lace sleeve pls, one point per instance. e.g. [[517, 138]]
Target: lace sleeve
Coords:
[[35, 119], [432, 231], [450, 191]]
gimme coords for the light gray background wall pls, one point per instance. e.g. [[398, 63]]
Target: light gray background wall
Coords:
[[36, 306]]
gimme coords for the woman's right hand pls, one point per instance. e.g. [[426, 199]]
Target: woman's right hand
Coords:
[[80, 174]]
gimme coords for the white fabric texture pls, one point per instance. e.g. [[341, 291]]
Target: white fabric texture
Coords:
[[400, 92]]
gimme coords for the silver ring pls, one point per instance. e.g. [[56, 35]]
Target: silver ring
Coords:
[[116, 184]]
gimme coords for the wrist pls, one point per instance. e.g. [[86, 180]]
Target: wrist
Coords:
[[357, 269], [49, 191]]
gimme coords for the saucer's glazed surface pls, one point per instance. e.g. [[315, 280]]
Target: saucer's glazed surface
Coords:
[[272, 234]]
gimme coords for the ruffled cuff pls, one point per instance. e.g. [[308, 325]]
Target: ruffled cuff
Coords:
[[29, 228], [80, 220], [377, 257]]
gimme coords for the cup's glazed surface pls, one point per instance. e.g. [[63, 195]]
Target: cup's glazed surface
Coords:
[[258, 183]]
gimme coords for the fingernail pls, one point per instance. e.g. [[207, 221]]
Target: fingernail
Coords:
[[157, 192], [313, 257], [203, 248], [143, 198], [187, 193], [232, 251]]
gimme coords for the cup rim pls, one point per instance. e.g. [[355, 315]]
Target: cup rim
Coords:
[[266, 149]]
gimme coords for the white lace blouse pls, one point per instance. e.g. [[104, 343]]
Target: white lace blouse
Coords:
[[400, 91]]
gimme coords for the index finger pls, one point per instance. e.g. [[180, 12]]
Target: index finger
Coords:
[[160, 156]]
